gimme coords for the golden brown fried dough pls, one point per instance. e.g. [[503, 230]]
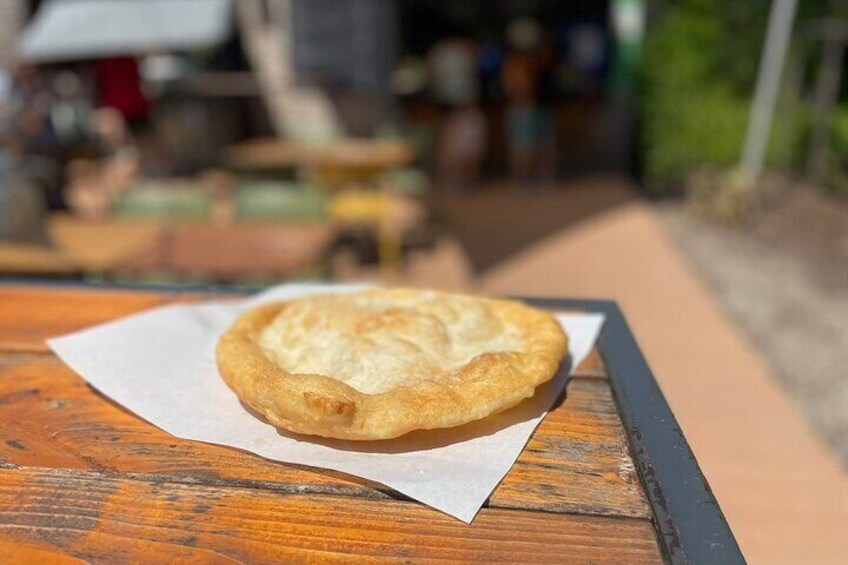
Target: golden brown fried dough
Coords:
[[381, 363]]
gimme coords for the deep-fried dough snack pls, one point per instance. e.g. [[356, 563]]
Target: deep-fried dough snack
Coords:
[[380, 363]]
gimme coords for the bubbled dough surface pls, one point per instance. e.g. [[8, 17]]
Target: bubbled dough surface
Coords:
[[375, 343]]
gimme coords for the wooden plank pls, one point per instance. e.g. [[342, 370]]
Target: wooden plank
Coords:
[[100, 244], [28, 315], [101, 518], [353, 154], [233, 251], [16, 552], [577, 461], [31, 259], [51, 418]]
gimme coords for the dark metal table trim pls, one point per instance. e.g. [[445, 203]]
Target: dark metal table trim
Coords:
[[691, 527]]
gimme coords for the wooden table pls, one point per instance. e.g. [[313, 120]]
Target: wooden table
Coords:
[[82, 478], [353, 153], [98, 245], [334, 163], [136, 247], [35, 259], [231, 251]]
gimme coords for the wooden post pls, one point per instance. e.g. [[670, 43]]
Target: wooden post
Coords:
[[780, 24]]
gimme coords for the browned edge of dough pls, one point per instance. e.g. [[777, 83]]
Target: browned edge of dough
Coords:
[[324, 406]]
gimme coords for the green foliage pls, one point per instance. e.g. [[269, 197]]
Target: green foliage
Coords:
[[836, 178], [699, 66], [839, 133], [684, 131]]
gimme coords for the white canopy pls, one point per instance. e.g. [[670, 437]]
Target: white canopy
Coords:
[[65, 30]]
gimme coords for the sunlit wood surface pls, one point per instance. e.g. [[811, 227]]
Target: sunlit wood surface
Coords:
[[82, 478]]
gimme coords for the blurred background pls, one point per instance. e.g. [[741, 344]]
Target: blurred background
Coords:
[[688, 159]]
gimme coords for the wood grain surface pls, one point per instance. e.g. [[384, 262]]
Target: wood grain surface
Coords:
[[29, 315], [100, 518], [80, 477], [575, 462]]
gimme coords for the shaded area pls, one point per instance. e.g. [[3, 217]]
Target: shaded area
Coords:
[[500, 220]]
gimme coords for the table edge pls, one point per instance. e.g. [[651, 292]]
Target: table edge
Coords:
[[691, 527]]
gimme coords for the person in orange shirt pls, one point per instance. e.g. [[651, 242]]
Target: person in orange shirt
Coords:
[[529, 125]]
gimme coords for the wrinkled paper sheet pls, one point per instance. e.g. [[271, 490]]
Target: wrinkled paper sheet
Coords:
[[160, 364]]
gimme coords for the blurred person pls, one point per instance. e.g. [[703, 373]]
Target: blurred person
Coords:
[[586, 53], [463, 145], [22, 204], [47, 116], [529, 125], [70, 110], [453, 70], [29, 97], [119, 85], [463, 132], [30, 101], [491, 59], [22, 207], [95, 184]]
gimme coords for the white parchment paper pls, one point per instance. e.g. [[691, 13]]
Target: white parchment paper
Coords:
[[160, 364]]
